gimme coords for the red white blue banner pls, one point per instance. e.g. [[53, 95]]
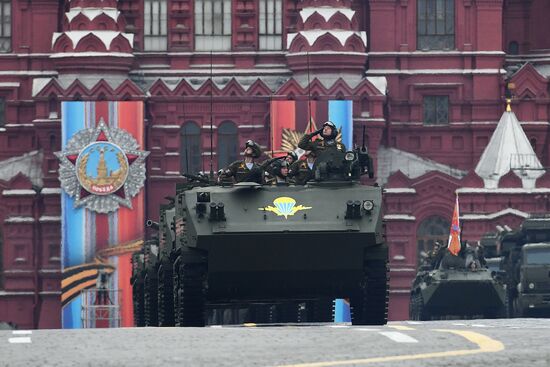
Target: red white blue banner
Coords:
[[101, 173]]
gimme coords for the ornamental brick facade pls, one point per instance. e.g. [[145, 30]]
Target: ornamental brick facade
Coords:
[[430, 100]]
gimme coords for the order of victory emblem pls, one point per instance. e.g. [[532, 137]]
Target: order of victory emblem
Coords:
[[284, 206], [102, 168]]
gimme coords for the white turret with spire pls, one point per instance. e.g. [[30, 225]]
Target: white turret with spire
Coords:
[[509, 149]]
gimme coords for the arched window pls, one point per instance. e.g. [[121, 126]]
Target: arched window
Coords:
[[228, 143], [190, 148], [434, 228], [435, 25]]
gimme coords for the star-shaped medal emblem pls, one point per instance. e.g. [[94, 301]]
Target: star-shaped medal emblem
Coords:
[[102, 168]]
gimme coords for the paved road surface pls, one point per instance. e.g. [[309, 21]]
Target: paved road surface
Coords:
[[498, 343]]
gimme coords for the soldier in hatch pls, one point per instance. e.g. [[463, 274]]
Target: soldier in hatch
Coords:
[[291, 157], [301, 171], [280, 173], [271, 164], [247, 169], [328, 134], [435, 255]]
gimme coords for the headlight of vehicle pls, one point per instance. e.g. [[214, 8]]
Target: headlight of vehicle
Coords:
[[368, 205], [350, 156], [531, 286]]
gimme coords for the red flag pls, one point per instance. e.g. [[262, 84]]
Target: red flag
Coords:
[[454, 236], [283, 116]]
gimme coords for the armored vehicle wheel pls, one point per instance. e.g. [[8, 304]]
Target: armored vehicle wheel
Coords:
[[137, 298], [175, 287], [302, 312], [518, 310], [508, 304], [190, 288], [261, 313], [165, 296], [412, 307], [320, 310], [369, 304], [150, 300], [496, 313], [419, 313]]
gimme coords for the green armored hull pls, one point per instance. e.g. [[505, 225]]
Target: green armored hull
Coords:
[[274, 245], [457, 293]]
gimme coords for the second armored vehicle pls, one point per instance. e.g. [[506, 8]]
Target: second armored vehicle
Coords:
[[460, 287]]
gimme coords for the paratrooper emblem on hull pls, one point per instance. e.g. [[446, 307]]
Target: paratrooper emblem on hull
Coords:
[[285, 207], [102, 168]]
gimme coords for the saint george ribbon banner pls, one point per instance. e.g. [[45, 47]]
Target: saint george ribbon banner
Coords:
[[454, 236]]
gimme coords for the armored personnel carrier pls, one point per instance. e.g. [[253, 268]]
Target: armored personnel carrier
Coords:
[[254, 244], [456, 286]]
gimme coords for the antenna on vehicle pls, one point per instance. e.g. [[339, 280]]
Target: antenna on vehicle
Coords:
[[211, 113], [271, 127], [308, 91]]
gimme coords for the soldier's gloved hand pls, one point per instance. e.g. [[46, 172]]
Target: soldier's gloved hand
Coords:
[[318, 132]]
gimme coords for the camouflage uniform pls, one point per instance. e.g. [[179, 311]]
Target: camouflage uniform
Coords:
[[300, 172], [320, 144], [240, 172]]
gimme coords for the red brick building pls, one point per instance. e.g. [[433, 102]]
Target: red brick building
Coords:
[[427, 77]]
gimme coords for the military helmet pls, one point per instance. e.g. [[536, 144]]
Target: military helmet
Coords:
[[278, 166], [334, 130], [293, 155], [256, 150]]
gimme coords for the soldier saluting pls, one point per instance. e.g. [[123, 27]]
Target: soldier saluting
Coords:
[[328, 134], [247, 169], [271, 164]]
